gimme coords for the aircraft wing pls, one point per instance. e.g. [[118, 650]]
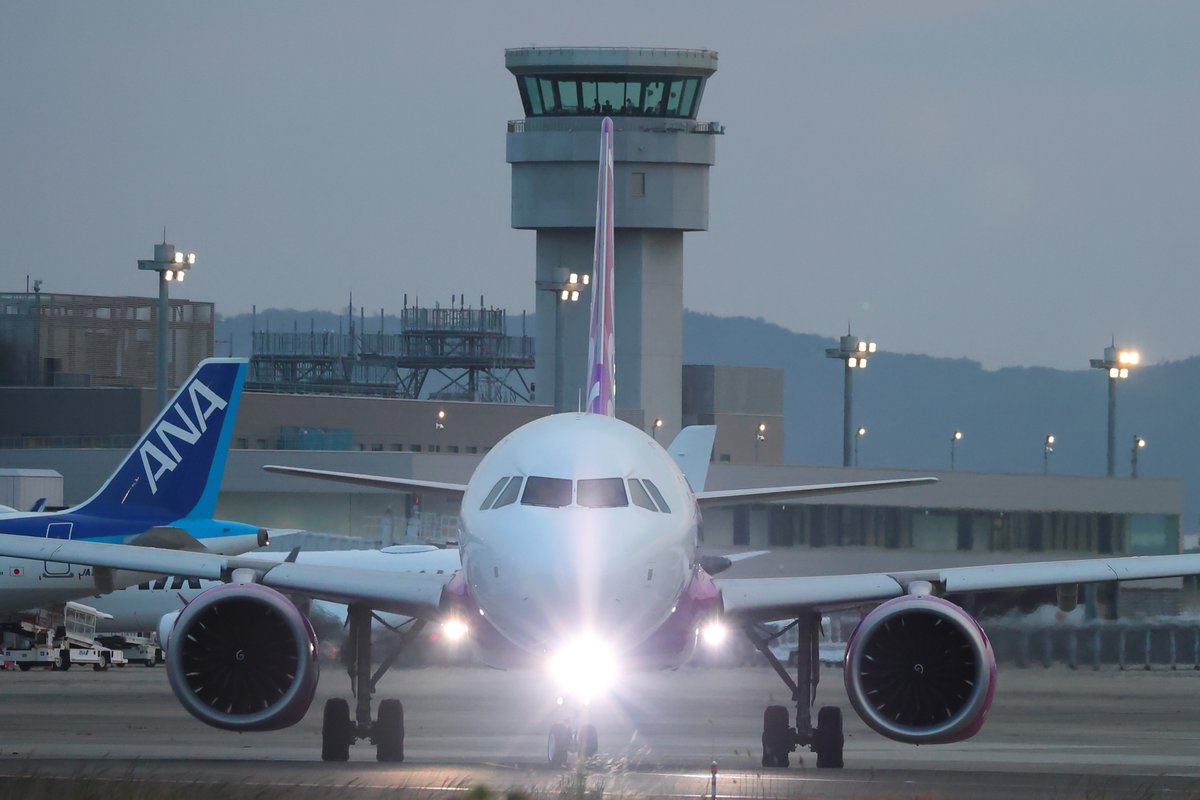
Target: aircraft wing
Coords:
[[375, 481], [775, 494], [412, 594], [764, 599]]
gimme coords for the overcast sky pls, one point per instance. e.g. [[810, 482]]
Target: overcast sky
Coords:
[[1012, 182]]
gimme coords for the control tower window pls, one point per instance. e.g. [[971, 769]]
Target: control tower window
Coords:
[[632, 95]]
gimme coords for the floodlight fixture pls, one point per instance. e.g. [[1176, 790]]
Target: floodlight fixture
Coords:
[[854, 352]]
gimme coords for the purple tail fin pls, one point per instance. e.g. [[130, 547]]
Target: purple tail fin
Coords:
[[602, 380]]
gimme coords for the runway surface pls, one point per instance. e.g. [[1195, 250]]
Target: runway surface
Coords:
[[1051, 733]]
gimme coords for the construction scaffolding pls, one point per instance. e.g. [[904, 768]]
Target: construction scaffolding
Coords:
[[454, 353], [83, 340]]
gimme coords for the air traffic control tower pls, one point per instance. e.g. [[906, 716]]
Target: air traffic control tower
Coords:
[[662, 156]]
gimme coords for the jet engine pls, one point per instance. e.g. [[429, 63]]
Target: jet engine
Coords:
[[242, 657], [920, 670]]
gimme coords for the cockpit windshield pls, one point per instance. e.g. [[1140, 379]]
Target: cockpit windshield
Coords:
[[548, 492], [601, 493]]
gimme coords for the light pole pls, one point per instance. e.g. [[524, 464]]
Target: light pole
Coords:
[[955, 438], [658, 423], [1047, 449], [566, 288], [1117, 363], [171, 265], [854, 352], [858, 435], [1138, 444], [760, 436]]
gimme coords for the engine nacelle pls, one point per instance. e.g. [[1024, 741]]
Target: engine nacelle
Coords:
[[242, 657], [165, 625], [919, 669]]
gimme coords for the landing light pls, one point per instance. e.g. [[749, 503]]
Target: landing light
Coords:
[[714, 633], [584, 668], [455, 629]]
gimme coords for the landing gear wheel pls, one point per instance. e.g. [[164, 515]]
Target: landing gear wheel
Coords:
[[389, 731], [829, 739], [589, 741], [337, 732], [557, 745], [776, 737]]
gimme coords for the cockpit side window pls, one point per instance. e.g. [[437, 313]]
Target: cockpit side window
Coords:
[[601, 493], [657, 495], [509, 495], [549, 492], [639, 495], [494, 493]]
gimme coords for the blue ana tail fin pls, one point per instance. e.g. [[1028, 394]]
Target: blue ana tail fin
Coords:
[[602, 371], [175, 470]]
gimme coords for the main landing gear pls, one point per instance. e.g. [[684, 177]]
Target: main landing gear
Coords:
[[570, 737], [338, 732], [779, 738]]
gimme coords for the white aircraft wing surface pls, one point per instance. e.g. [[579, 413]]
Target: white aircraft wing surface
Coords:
[[375, 481], [776, 598], [774, 494], [411, 594]]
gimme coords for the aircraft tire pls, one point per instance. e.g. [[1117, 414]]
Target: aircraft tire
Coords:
[[589, 741], [829, 738], [776, 737], [389, 732], [557, 744], [337, 733]]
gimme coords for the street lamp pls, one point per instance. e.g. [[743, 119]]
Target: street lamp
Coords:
[[1047, 449], [859, 434], [1116, 362], [955, 438], [854, 352], [658, 423], [1138, 444], [171, 265], [566, 288], [760, 436]]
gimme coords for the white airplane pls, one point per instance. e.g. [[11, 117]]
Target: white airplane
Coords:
[[163, 494], [578, 544]]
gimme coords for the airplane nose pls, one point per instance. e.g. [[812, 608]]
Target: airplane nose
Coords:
[[579, 579]]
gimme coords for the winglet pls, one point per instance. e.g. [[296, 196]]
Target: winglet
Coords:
[[602, 381], [175, 470]]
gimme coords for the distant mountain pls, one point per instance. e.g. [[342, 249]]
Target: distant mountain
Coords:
[[911, 404]]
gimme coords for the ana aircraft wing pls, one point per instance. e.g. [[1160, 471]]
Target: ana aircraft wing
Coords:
[[763, 599], [375, 481], [775, 494], [408, 593]]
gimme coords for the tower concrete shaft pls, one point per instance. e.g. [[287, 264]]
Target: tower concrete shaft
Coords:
[[662, 157]]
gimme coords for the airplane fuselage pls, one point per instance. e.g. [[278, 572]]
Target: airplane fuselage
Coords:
[[597, 540]]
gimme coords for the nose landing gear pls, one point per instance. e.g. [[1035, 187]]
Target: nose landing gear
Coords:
[[569, 737]]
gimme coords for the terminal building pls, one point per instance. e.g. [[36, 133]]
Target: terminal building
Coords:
[[76, 375]]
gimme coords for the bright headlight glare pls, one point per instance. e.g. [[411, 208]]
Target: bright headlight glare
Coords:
[[714, 633], [584, 667], [454, 629]]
